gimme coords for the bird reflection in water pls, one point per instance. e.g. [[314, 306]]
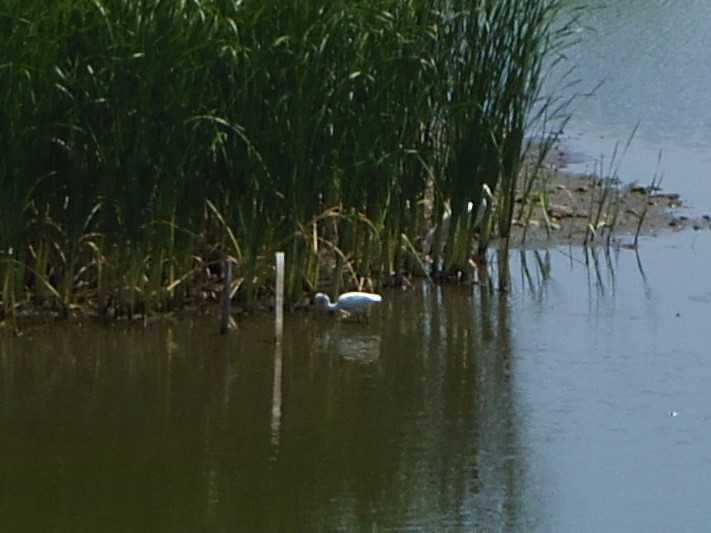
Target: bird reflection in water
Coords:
[[353, 344]]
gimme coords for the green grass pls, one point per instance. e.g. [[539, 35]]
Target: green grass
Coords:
[[144, 141]]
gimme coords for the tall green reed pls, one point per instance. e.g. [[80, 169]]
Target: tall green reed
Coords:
[[337, 131]]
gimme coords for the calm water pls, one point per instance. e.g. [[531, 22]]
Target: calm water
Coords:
[[579, 403], [654, 57]]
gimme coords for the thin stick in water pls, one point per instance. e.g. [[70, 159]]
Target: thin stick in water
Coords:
[[226, 321]]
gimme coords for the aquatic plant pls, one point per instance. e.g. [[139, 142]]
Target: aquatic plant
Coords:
[[144, 142]]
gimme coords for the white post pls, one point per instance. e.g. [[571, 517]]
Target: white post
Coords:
[[279, 303], [279, 328]]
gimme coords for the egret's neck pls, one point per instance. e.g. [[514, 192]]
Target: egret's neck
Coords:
[[325, 302]]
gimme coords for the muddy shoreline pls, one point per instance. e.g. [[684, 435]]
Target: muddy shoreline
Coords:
[[570, 207]]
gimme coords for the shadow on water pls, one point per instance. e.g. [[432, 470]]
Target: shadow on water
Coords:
[[405, 423]]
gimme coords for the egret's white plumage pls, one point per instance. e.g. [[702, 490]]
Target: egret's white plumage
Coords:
[[353, 303]]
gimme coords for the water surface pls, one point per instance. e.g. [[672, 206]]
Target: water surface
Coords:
[[578, 402], [652, 57]]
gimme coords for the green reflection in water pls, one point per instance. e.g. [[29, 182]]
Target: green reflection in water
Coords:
[[407, 423]]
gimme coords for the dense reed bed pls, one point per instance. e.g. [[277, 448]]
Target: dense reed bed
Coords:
[[146, 141]]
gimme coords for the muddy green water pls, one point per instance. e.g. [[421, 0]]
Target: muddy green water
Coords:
[[576, 403]]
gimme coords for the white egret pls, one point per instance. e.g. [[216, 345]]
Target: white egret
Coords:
[[352, 303]]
